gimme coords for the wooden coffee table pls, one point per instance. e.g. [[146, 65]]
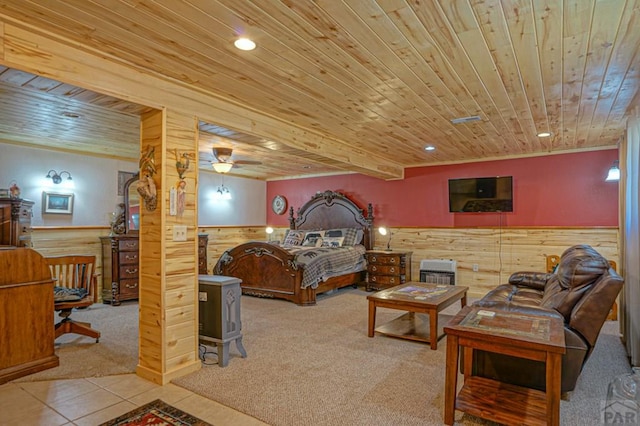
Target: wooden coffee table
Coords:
[[517, 334], [418, 299]]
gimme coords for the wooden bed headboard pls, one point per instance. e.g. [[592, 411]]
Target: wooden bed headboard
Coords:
[[332, 210]]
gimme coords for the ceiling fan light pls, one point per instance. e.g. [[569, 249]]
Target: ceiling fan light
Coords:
[[222, 167]]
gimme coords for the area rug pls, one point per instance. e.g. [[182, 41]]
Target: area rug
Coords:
[[156, 413]]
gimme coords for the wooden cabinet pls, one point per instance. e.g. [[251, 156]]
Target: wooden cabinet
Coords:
[[121, 266], [203, 241], [15, 222], [387, 268]]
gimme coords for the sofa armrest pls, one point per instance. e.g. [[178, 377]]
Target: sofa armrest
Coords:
[[537, 280]]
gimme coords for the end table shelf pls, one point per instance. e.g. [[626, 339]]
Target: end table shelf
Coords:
[[521, 335]]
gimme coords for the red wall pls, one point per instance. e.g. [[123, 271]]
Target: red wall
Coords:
[[555, 190]]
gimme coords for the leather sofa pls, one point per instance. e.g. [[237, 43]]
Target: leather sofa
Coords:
[[581, 291]]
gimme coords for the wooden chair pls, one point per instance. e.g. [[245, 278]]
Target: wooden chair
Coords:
[[552, 262], [75, 279]]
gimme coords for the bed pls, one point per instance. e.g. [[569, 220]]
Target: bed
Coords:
[[274, 271]]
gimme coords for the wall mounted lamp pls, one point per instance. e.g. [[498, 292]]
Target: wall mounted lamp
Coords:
[[614, 173], [223, 193], [269, 231], [384, 231], [57, 177]]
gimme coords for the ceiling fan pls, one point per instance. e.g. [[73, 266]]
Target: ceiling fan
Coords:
[[224, 163]]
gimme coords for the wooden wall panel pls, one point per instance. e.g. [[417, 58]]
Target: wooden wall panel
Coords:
[[497, 252]]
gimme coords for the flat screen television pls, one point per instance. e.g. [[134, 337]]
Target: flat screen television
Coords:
[[485, 194]]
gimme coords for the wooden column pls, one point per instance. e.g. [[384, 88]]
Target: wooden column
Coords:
[[168, 268]]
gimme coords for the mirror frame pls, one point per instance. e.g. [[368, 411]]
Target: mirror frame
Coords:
[[127, 184]]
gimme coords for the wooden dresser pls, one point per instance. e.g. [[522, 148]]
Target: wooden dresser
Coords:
[[15, 222], [387, 268], [203, 241], [120, 266]]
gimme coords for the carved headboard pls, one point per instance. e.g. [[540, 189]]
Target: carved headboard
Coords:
[[332, 210]]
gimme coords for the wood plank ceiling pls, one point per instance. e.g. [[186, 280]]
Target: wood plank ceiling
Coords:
[[384, 76]]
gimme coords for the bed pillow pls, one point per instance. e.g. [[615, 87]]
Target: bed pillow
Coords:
[[332, 241], [293, 238], [313, 239], [350, 235]]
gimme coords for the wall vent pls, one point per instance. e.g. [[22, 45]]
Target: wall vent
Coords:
[[462, 120]]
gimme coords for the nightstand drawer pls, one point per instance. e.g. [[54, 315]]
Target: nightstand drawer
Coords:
[[386, 269]]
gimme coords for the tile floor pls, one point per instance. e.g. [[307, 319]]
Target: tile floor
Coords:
[[95, 400]]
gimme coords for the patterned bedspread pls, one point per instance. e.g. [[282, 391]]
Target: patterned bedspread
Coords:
[[323, 262]]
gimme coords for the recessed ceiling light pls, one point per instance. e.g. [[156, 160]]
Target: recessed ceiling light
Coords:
[[69, 114], [244, 44], [429, 148], [544, 134]]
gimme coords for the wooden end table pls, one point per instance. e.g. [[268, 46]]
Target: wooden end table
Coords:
[[527, 336], [416, 298]]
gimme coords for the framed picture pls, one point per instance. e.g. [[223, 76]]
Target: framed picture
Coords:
[[123, 177], [53, 202]]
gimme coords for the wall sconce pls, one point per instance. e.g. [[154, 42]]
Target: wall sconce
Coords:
[[269, 231], [384, 231], [614, 173], [223, 193], [57, 178]]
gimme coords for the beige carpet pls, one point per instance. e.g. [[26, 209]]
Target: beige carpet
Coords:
[[316, 366], [81, 356]]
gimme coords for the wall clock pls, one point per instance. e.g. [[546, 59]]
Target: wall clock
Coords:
[[279, 204]]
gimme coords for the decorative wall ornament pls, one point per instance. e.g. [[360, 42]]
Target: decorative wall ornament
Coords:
[[146, 185], [178, 194]]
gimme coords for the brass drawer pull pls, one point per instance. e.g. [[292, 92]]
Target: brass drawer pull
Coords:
[[392, 260], [131, 257], [392, 269], [131, 285], [374, 259], [373, 268], [131, 271]]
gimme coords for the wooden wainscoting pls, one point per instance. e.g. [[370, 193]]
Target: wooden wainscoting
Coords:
[[497, 252]]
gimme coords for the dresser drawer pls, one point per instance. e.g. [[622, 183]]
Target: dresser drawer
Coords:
[[386, 269], [386, 259], [128, 289], [127, 245], [387, 280], [128, 271], [128, 257]]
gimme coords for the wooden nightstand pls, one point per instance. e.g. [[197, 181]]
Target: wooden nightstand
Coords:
[[387, 268]]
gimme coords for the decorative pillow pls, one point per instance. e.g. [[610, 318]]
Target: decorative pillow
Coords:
[[350, 235], [313, 239], [332, 241], [293, 238], [64, 294]]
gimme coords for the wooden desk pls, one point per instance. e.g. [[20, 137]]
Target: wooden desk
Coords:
[[416, 298], [527, 336]]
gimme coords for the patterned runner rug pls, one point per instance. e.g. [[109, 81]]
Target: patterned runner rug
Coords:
[[156, 413]]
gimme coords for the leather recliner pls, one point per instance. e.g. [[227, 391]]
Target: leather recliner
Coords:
[[581, 291]]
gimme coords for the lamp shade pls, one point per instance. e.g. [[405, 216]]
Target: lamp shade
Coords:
[[222, 167], [614, 173]]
